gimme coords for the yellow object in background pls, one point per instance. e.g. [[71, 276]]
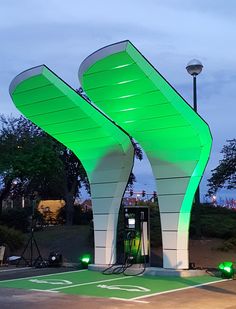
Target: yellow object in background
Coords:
[[49, 209]]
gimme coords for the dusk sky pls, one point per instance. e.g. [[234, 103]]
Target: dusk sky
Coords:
[[169, 33]]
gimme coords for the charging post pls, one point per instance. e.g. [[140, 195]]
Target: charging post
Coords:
[[137, 234], [136, 242]]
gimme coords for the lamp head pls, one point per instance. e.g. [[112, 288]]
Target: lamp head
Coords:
[[194, 67]]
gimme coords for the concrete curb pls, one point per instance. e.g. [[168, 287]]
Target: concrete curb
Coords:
[[157, 271]]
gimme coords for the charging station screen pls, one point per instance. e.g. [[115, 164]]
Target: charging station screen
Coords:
[[131, 222]]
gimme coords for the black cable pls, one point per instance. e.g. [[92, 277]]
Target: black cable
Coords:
[[106, 270], [126, 260], [120, 268], [131, 235]]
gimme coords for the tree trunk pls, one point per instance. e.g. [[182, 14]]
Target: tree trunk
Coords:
[[70, 203], [69, 208], [5, 192]]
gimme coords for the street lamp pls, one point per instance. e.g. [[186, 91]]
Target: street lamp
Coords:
[[194, 67]]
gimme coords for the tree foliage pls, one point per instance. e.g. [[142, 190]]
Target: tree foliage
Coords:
[[138, 153], [29, 159], [224, 175], [35, 165], [32, 162], [11, 238]]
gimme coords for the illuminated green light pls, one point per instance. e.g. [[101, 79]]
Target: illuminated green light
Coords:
[[85, 259], [121, 66], [125, 82], [226, 269], [128, 109], [226, 265]]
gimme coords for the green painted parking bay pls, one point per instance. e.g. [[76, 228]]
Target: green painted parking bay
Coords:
[[91, 283]]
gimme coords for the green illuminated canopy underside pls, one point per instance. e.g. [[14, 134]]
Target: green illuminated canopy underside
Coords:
[[56, 108], [122, 83]]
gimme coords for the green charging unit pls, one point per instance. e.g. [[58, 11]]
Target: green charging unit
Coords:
[[137, 234]]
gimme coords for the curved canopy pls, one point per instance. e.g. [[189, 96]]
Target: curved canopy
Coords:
[[122, 83], [105, 151]]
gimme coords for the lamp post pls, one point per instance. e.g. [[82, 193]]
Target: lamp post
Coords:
[[194, 68]]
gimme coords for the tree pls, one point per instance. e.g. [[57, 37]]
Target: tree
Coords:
[[73, 177], [28, 159], [32, 161], [138, 153], [224, 175]]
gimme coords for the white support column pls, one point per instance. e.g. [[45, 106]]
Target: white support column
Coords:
[[108, 184], [172, 183]]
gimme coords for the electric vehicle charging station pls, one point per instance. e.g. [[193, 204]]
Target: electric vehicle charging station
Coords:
[[137, 234], [176, 140]]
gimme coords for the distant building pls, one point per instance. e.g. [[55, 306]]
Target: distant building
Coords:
[[129, 201], [86, 205]]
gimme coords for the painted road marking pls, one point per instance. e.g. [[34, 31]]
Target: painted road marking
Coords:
[[15, 269], [87, 283], [54, 274], [126, 293], [130, 300], [180, 289], [51, 281], [47, 291], [128, 288]]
